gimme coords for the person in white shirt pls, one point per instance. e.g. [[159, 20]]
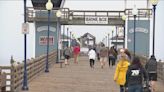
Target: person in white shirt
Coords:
[[92, 57]]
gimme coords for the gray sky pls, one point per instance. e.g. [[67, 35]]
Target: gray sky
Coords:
[[12, 41]]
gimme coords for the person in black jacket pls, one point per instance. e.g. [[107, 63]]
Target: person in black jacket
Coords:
[[151, 67], [135, 75]]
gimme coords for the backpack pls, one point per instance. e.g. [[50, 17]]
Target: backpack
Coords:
[[151, 65]]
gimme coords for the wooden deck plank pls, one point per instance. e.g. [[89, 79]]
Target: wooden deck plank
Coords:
[[78, 78]]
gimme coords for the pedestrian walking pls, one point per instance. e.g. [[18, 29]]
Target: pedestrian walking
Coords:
[[151, 68], [103, 55], [76, 51], [112, 56], [120, 72], [98, 52], [128, 54], [92, 57], [135, 75], [67, 55]]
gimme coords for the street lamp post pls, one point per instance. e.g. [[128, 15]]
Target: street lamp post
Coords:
[[134, 15], [67, 37], [116, 36], [58, 15], [103, 40], [25, 86], [124, 18], [112, 36], [108, 40], [49, 7], [70, 38], [63, 35], [62, 42], [154, 4]]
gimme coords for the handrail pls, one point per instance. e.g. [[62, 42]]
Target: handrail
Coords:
[[160, 70], [2, 82], [37, 66], [32, 14], [160, 67], [34, 67], [4, 78]]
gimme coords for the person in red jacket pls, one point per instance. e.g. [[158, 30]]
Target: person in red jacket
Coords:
[[76, 51]]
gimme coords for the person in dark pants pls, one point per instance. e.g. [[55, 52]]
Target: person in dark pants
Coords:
[[98, 52], [135, 76], [67, 55], [120, 72], [92, 62], [151, 67], [112, 56], [92, 57]]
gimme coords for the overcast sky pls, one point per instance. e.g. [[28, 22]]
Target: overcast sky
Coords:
[[12, 41]]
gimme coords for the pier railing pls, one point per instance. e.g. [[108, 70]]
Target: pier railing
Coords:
[[160, 71], [2, 81], [13, 79], [160, 67]]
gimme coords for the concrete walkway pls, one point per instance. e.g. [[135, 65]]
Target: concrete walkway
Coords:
[[78, 78]]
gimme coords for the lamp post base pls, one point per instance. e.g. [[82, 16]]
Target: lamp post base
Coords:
[[153, 57], [25, 88], [46, 71]]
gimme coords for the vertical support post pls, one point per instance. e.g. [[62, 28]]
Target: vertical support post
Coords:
[[12, 74], [124, 34], [116, 36], [25, 86], [48, 34], [63, 35], [112, 36], [70, 38], [108, 41], [153, 54], [134, 35], [154, 8], [58, 33], [67, 38]]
